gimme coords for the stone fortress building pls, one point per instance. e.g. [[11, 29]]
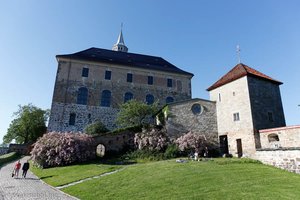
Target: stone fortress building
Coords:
[[244, 107], [91, 84]]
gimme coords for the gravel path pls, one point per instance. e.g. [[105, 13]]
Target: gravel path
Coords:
[[29, 188]]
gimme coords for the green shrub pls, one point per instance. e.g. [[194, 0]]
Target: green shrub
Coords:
[[6, 158], [97, 128], [172, 151]]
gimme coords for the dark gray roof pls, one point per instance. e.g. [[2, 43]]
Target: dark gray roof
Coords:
[[123, 58]]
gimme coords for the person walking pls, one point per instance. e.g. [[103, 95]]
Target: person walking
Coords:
[[17, 168], [25, 168]]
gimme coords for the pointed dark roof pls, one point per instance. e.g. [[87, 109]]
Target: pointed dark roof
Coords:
[[241, 70], [123, 58]]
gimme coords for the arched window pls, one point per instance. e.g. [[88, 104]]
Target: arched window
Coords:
[[149, 99], [105, 98], [273, 137], [72, 119], [82, 96], [169, 100], [100, 151], [128, 96]]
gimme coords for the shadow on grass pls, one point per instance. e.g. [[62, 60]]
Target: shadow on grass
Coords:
[[46, 177]]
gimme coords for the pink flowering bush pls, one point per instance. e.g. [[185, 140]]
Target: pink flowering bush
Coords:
[[59, 149], [196, 142], [153, 139]]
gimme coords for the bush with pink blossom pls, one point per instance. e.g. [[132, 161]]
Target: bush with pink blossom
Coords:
[[59, 149], [196, 142], [154, 138]]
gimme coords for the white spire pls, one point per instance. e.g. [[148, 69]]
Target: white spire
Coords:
[[120, 45]]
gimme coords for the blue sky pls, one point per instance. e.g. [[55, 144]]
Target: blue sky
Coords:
[[198, 36]]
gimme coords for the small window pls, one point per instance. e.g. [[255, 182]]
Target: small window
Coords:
[[107, 75], [106, 98], [236, 116], [129, 78], [150, 80], [72, 119], [128, 96], [169, 82], [219, 97], [149, 99], [169, 99], [270, 117], [85, 72], [233, 93], [273, 137], [82, 96], [196, 109]]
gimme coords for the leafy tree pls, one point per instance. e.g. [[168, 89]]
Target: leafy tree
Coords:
[[28, 125], [135, 113], [96, 128]]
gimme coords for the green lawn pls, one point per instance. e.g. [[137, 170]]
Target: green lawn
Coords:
[[218, 179], [63, 175]]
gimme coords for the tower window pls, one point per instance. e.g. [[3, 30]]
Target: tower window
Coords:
[[85, 72], [82, 96], [106, 98], [169, 99], [270, 117], [129, 78], [72, 119], [150, 80], [236, 116], [219, 97], [107, 75], [149, 99], [169, 82], [128, 96]]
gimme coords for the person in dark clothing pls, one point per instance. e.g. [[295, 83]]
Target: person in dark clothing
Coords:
[[25, 168]]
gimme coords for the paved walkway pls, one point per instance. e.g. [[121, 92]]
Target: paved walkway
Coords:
[[26, 189]]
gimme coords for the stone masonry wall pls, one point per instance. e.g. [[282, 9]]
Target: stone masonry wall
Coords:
[[233, 98], [287, 137], [288, 159], [265, 98], [60, 115], [69, 79], [181, 118]]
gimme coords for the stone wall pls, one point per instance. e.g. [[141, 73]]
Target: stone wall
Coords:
[[283, 137], [288, 158], [233, 98], [265, 100], [182, 119], [69, 79], [60, 115], [3, 150]]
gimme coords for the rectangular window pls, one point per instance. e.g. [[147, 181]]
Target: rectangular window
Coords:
[[219, 97], [236, 116], [85, 72], [72, 119], [150, 80], [270, 116], [107, 75], [169, 82], [129, 77]]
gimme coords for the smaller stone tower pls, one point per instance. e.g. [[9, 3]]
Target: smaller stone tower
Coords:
[[246, 101]]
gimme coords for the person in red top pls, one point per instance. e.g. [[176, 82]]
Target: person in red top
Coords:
[[17, 168]]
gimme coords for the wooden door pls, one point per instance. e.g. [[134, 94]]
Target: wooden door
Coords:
[[239, 147]]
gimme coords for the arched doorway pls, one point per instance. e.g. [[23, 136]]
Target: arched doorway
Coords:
[[100, 151]]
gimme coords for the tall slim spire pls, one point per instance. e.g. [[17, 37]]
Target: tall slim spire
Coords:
[[120, 45]]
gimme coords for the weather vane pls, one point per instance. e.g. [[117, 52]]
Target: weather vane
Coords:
[[238, 51]]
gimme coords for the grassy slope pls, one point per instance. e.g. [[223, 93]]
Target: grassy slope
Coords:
[[63, 175], [193, 180], [6, 158]]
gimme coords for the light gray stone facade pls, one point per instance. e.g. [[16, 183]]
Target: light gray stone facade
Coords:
[[69, 80], [196, 115]]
